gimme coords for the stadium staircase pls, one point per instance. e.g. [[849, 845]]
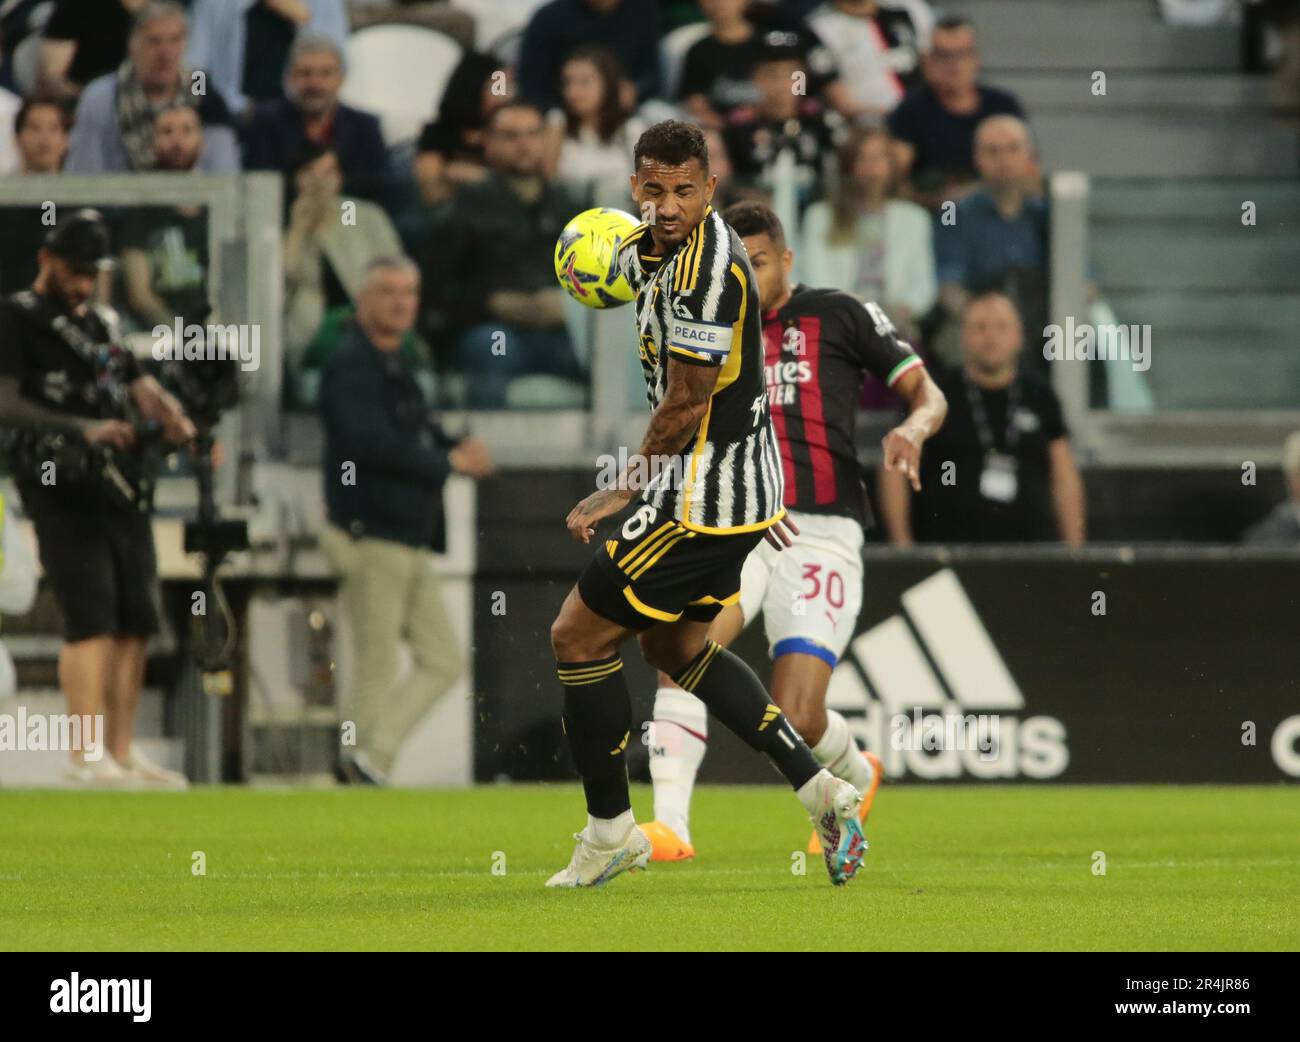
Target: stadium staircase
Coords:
[[1179, 142]]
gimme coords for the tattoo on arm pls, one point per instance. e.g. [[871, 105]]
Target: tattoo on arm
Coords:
[[675, 419]]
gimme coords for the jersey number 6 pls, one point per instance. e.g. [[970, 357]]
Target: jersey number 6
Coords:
[[635, 526]]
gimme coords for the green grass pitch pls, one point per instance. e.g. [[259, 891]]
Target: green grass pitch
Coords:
[[960, 867]]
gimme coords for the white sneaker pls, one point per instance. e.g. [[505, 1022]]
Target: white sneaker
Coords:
[[146, 772], [104, 773], [838, 827], [595, 866]]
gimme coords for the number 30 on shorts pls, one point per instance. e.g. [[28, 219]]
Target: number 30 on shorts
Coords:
[[831, 584]]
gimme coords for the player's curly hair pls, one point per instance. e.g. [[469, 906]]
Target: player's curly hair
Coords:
[[752, 217], [673, 143]]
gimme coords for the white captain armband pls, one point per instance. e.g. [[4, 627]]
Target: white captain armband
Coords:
[[704, 343]]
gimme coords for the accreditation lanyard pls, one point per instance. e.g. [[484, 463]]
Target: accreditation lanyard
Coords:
[[998, 479]]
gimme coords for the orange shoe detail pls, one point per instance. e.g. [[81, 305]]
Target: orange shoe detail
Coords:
[[665, 844]]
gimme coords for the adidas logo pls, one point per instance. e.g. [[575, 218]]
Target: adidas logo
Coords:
[[927, 691]]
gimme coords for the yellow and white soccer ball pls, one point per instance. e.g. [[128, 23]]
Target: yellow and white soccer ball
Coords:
[[586, 257]]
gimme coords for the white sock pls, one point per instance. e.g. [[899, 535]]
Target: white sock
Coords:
[[810, 792], [681, 725], [610, 832], [839, 753]]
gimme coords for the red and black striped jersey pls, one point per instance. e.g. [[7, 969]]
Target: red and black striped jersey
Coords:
[[818, 346]]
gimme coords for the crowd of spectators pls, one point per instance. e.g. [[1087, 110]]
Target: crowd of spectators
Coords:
[[865, 111], [909, 179]]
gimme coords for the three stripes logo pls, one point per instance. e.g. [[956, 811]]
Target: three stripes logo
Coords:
[[927, 691]]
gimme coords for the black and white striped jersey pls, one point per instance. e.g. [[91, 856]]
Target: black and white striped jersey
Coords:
[[699, 306]]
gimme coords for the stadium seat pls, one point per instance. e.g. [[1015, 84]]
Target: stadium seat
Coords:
[[672, 53], [403, 103], [506, 47], [497, 18], [544, 392], [26, 63], [428, 14]]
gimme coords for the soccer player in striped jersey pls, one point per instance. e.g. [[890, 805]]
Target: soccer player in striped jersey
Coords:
[[711, 486], [819, 344]]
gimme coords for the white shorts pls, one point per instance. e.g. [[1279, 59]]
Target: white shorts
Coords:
[[810, 594]]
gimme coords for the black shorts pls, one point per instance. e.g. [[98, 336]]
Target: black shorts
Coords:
[[101, 566], [654, 569]]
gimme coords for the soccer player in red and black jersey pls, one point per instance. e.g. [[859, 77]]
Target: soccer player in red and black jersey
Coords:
[[819, 344]]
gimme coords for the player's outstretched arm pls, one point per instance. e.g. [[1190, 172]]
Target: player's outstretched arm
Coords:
[[926, 409], [675, 419]]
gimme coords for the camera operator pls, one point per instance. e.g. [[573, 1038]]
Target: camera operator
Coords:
[[78, 407]]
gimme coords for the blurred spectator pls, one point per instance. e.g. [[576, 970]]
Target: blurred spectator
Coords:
[[865, 241], [327, 246], [1001, 469], [165, 249], [245, 43], [177, 139], [304, 388], [1281, 527], [876, 49], [718, 71], [313, 115], [629, 28], [450, 151], [83, 40], [934, 125], [727, 191], [998, 237], [385, 464], [782, 121], [591, 137], [491, 275], [911, 23], [113, 129], [41, 134]]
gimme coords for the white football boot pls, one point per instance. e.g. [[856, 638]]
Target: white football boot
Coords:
[[838, 827], [595, 866]]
